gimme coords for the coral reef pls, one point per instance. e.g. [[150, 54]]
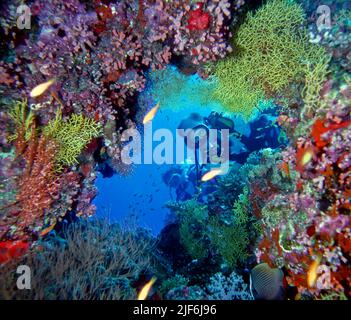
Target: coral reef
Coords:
[[321, 201], [108, 63], [186, 293], [231, 241], [312, 222], [221, 228], [171, 283], [192, 217], [181, 92], [201, 32], [99, 54], [93, 261], [43, 193]]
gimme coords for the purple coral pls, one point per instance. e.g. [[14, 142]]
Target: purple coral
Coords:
[[204, 45]]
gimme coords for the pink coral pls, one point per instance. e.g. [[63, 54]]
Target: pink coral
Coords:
[[320, 203], [204, 40]]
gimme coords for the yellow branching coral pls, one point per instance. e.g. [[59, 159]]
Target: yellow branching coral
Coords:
[[315, 77], [71, 136], [271, 51], [233, 87], [23, 121]]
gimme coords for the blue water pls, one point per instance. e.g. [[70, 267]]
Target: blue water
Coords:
[[142, 194]]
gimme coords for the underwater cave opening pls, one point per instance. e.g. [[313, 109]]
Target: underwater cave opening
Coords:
[[143, 193]]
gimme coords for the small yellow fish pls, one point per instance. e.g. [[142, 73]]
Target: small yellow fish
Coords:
[[151, 114], [312, 272], [211, 174], [144, 292], [41, 88]]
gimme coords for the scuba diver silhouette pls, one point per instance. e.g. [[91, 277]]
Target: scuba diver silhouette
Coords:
[[263, 134]]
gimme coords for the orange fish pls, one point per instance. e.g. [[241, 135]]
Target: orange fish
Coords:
[[41, 88], [286, 169], [282, 119], [47, 230], [144, 292], [151, 114], [211, 174], [312, 272]]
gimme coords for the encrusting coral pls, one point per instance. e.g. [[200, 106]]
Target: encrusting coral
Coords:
[[310, 225]]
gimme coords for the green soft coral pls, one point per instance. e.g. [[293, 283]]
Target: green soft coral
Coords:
[[231, 241], [22, 120], [315, 77], [241, 207], [190, 233], [72, 136], [192, 217], [271, 51]]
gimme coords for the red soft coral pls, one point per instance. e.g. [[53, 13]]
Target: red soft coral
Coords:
[[319, 128], [198, 19]]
